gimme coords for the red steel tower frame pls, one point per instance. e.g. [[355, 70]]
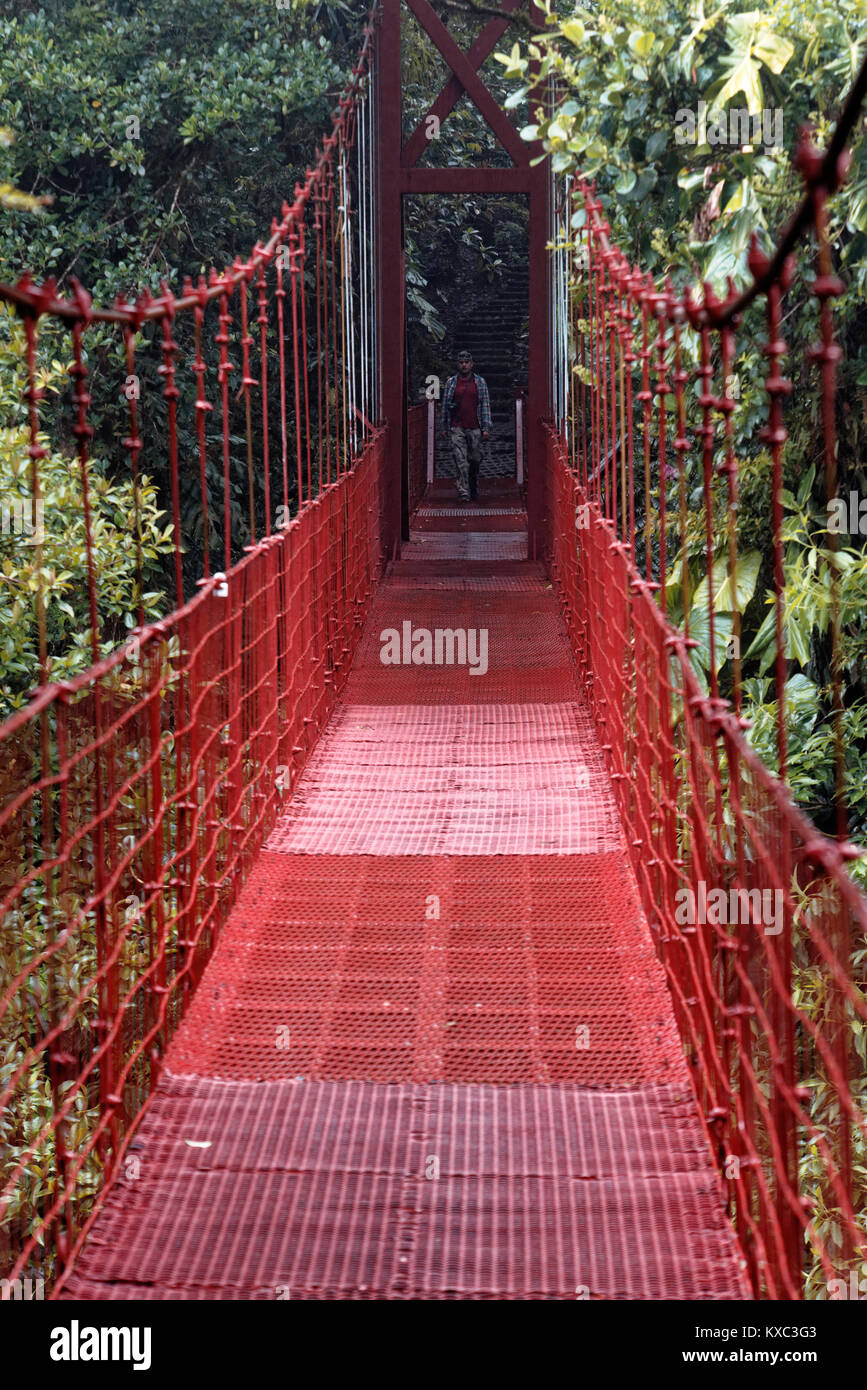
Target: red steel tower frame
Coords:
[[400, 174]]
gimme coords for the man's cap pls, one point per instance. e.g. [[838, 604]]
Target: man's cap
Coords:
[[465, 356]]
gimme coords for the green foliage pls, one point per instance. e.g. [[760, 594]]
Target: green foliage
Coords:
[[156, 141], [445, 234], [166, 135], [49, 553], [627, 69]]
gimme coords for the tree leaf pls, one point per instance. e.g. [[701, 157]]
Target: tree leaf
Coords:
[[574, 31]]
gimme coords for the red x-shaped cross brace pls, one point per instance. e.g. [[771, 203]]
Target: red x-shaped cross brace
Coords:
[[464, 78]]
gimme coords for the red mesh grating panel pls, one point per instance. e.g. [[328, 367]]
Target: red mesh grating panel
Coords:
[[457, 514], [440, 685], [401, 583], [464, 545], [453, 779], [536, 969], [493, 492], [499, 574], [443, 520], [527, 656], [524, 628], [358, 1191]]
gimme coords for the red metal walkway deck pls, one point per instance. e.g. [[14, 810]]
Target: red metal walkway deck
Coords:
[[433, 1055]]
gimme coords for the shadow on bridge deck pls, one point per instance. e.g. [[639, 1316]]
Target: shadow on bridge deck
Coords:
[[433, 1055]]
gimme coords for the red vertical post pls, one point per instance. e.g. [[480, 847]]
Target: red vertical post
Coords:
[[391, 274], [538, 401]]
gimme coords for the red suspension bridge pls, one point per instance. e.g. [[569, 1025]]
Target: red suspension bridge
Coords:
[[327, 978]]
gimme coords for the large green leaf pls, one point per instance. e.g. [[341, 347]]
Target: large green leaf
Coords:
[[751, 43], [748, 565], [574, 31], [699, 631], [798, 626], [641, 42]]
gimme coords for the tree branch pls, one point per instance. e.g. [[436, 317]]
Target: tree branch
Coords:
[[165, 225], [519, 17]]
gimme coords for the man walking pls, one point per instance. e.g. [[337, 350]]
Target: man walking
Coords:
[[467, 421]]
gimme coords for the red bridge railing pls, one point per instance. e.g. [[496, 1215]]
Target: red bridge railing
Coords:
[[757, 920], [135, 795], [416, 453]]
